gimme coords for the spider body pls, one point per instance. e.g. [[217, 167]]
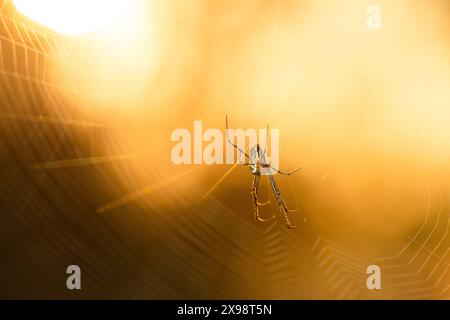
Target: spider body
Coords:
[[257, 160], [258, 165]]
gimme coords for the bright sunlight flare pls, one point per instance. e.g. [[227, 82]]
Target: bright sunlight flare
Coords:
[[75, 17]]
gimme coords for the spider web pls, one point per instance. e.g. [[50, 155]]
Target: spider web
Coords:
[[61, 167]]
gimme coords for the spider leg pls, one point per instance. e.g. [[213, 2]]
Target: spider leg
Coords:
[[256, 204], [266, 147], [231, 142], [269, 167], [281, 203], [285, 173]]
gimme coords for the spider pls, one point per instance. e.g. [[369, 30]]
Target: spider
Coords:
[[257, 164]]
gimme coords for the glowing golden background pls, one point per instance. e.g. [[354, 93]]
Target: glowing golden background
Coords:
[[86, 175]]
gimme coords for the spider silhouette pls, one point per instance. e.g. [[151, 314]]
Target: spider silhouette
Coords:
[[257, 163]]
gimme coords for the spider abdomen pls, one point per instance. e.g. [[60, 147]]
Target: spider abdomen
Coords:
[[256, 157]]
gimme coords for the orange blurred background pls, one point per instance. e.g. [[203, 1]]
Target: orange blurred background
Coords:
[[364, 112]]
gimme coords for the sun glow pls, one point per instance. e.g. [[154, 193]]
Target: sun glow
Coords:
[[75, 17]]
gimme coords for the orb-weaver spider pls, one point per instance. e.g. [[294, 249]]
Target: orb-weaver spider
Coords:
[[257, 163]]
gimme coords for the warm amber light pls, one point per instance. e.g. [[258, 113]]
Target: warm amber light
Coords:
[[78, 16]]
